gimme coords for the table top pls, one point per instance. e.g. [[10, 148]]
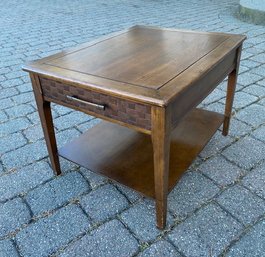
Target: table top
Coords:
[[143, 63]]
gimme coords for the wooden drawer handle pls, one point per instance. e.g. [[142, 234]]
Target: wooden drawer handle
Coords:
[[98, 106]]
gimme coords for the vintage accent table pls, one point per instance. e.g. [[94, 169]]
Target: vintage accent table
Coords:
[[145, 82]]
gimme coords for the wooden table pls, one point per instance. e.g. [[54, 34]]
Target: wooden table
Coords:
[[145, 83]]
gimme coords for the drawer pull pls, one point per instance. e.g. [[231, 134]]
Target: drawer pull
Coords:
[[98, 106]]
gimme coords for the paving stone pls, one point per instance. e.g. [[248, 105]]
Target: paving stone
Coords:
[[255, 180], [259, 133], [259, 58], [11, 142], [8, 92], [249, 63], [47, 235], [6, 103], [247, 79], [22, 180], [66, 136], [7, 249], [221, 171], [12, 83], [27, 154], [242, 204], [141, 220], [24, 88], [246, 152], [3, 117], [131, 195], [252, 244], [19, 110], [34, 133], [261, 82], [191, 192], [12, 126], [1, 168], [253, 115], [216, 95], [87, 125], [110, 239], [243, 99], [215, 145], [61, 110], [207, 233], [56, 192], [103, 203], [160, 248], [262, 102], [238, 128], [255, 90], [69, 120], [216, 107], [24, 98], [94, 179], [13, 214]]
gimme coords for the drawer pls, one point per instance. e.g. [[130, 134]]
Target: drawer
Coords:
[[97, 103]]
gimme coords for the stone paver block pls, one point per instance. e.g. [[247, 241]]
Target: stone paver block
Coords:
[[12, 126], [215, 145], [259, 133], [238, 128], [13, 214], [19, 110], [70, 120], [103, 203], [3, 117], [131, 195], [66, 136], [220, 170], [242, 204], [246, 152], [248, 79], [24, 98], [255, 180], [253, 115], [207, 233], [34, 133], [252, 244], [256, 90], [160, 248], [47, 235], [20, 181], [11, 142], [243, 99], [6, 103], [7, 249], [87, 125], [94, 179], [141, 220], [56, 192], [27, 154], [8, 92], [110, 239], [190, 193]]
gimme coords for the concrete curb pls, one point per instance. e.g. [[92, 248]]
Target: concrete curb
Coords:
[[252, 11]]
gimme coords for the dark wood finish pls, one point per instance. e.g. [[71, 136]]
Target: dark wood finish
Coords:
[[161, 128], [117, 109], [150, 65], [126, 156], [44, 109], [231, 88], [146, 79]]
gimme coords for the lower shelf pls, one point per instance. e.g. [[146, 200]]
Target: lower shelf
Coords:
[[126, 156]]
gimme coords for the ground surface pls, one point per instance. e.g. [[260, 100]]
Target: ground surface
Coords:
[[218, 207]]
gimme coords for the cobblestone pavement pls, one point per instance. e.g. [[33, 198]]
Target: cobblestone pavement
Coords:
[[217, 208]]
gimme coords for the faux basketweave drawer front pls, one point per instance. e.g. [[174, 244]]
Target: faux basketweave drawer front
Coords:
[[112, 107]]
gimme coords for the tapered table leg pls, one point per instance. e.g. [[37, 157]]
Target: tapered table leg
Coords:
[[161, 148], [231, 87], [44, 109]]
